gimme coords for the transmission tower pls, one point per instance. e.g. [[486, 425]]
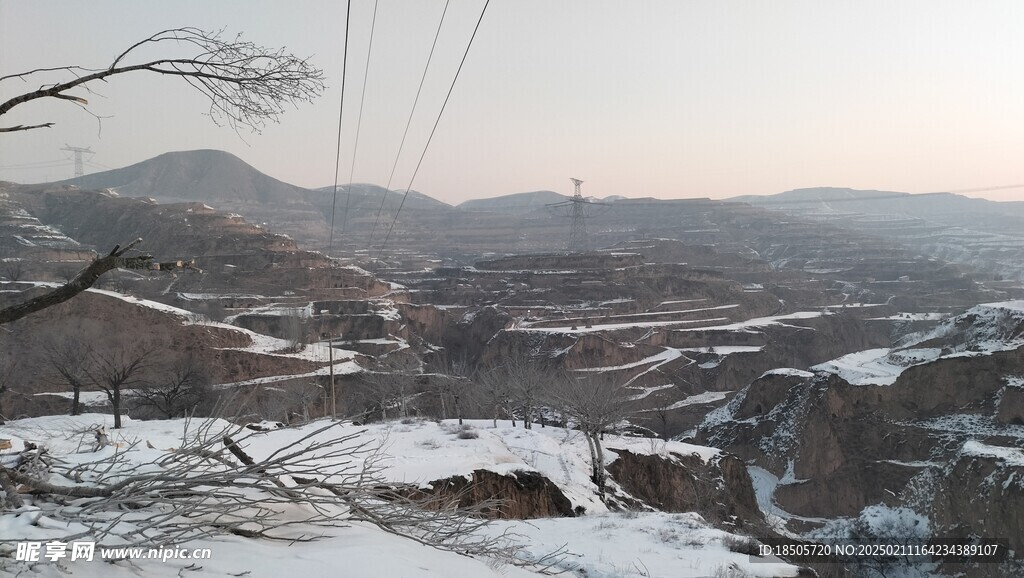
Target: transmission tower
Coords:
[[79, 171], [578, 210]]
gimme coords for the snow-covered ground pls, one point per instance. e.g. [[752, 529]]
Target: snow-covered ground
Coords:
[[991, 328], [599, 544], [877, 366]]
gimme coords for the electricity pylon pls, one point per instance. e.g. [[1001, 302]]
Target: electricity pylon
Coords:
[[579, 210], [79, 171]]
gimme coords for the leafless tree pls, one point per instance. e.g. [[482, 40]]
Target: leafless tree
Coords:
[[14, 269], [66, 273], [69, 357], [519, 382], [293, 329], [246, 84], [179, 391], [496, 393], [452, 374], [6, 372], [115, 371], [392, 385], [300, 399], [593, 403]]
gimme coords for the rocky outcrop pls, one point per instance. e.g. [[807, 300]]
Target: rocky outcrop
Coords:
[[841, 447], [720, 489], [982, 490], [520, 495]]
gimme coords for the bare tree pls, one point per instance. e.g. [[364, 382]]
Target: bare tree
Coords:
[[179, 391], [66, 273], [305, 396], [115, 371], [452, 374], [496, 393], [293, 329], [246, 84], [14, 269], [69, 358], [6, 372], [593, 403], [519, 382], [390, 386]]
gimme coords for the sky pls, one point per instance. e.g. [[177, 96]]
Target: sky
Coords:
[[670, 99]]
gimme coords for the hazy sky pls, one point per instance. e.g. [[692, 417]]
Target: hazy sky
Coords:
[[643, 98]]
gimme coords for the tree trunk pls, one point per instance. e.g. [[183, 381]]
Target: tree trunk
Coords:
[[458, 409], [82, 281], [597, 474], [115, 402], [599, 465], [76, 394], [593, 458]]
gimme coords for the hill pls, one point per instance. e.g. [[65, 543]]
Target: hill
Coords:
[[514, 203], [983, 234], [208, 176]]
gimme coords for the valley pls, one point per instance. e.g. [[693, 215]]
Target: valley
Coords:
[[784, 371]]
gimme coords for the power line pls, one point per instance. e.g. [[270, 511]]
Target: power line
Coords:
[[35, 164], [341, 116], [79, 171], [359, 122], [408, 123], [53, 165], [434, 129]]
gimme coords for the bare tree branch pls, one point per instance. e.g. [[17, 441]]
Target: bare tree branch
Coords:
[[211, 485], [20, 127], [246, 84], [82, 281]]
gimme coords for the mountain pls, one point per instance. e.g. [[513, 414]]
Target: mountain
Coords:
[[366, 196], [208, 176], [229, 184], [986, 235], [514, 203]]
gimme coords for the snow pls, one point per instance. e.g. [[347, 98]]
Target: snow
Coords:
[[1010, 456], [680, 301], [765, 484], [145, 303], [1015, 305], [600, 544], [910, 317], [788, 371], [700, 399], [343, 368], [877, 366], [668, 354], [654, 544], [205, 296], [581, 328], [646, 391], [724, 350], [386, 309], [761, 322]]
